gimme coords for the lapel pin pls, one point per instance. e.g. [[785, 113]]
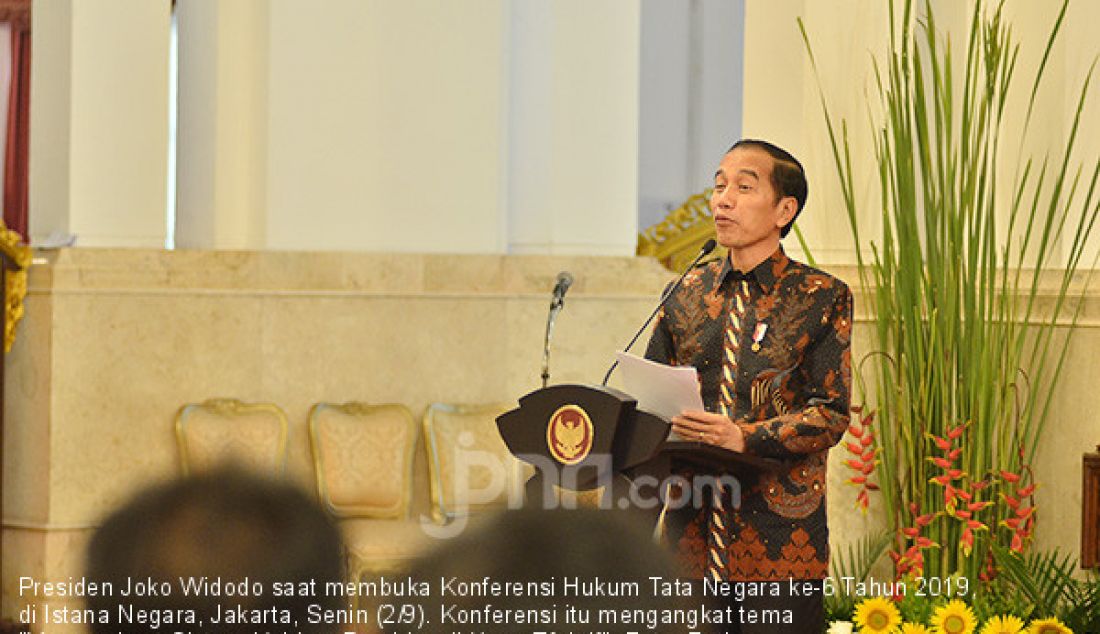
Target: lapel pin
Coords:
[[758, 335]]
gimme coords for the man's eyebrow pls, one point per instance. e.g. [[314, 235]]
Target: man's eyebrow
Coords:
[[744, 170]]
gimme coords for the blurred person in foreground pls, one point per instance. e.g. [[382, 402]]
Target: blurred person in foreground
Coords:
[[556, 570], [217, 549]]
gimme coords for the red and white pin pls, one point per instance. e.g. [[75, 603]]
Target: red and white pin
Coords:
[[758, 335]]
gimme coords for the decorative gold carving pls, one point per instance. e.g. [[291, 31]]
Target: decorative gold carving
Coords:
[[675, 241], [15, 286]]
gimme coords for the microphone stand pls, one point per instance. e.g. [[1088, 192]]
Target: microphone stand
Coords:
[[706, 249], [555, 308]]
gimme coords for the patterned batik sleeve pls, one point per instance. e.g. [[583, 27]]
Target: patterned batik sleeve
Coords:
[[661, 346], [660, 342], [821, 419]]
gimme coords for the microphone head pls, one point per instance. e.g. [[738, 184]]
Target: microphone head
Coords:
[[565, 280], [708, 246]]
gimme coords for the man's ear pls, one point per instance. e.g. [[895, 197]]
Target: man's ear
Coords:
[[788, 209]]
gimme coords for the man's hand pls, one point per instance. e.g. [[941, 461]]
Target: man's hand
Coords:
[[713, 429]]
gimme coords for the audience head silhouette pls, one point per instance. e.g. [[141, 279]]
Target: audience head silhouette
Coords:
[[225, 526]]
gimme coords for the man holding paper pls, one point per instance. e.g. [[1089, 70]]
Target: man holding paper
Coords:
[[769, 337]]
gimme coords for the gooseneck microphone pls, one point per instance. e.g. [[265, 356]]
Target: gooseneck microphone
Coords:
[[557, 302], [708, 246], [561, 287]]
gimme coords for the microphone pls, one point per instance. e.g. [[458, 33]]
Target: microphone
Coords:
[[565, 280], [708, 246]]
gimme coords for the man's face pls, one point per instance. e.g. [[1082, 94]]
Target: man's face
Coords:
[[746, 212]]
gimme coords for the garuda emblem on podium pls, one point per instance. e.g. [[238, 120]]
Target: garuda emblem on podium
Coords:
[[569, 434]]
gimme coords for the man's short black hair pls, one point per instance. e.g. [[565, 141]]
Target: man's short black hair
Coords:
[[225, 525], [788, 177]]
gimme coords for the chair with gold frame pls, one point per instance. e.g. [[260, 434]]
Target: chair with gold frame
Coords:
[[225, 430], [469, 467], [363, 461]]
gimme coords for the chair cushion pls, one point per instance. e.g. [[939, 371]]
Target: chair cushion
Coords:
[[363, 458], [219, 431], [469, 465]]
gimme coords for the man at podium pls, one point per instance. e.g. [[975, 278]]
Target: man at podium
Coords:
[[770, 339]]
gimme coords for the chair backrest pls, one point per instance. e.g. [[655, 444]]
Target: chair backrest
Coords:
[[225, 430], [469, 467], [363, 457]]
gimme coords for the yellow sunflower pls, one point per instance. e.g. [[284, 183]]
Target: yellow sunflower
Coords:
[[1048, 626], [914, 628], [953, 618], [1006, 624], [877, 615]]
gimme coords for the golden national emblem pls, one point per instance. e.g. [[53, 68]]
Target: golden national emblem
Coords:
[[569, 434]]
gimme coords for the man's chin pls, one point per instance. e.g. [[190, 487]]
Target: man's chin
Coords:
[[728, 242]]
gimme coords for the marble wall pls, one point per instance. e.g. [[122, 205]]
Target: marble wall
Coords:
[[114, 341]]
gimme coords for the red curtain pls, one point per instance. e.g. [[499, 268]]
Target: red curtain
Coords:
[[17, 12]]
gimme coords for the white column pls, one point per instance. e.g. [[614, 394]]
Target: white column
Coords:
[[222, 135], [782, 104], [782, 98], [385, 125], [690, 98], [99, 121], [573, 150]]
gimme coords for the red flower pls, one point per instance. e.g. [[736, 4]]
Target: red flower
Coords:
[[925, 520], [1017, 544]]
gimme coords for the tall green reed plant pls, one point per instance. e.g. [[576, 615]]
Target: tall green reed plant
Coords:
[[968, 356]]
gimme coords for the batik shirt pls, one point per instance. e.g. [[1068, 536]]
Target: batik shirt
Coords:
[[772, 350]]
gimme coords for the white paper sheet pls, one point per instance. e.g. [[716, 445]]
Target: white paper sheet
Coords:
[[662, 389]]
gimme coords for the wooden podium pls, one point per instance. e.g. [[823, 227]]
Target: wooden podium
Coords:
[[580, 437], [1090, 510]]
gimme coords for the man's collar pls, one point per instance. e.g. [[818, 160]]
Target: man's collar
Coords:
[[765, 274]]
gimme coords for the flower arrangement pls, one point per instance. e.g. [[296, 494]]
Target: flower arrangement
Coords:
[[958, 506], [964, 363], [877, 615]]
